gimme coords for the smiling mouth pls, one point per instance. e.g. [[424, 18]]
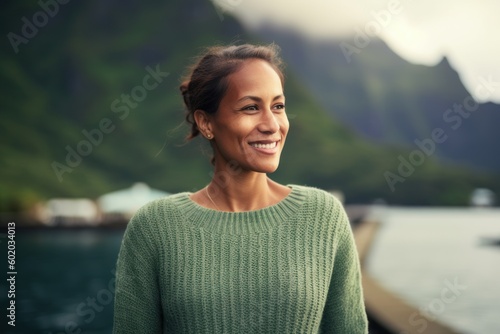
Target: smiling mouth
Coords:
[[268, 145]]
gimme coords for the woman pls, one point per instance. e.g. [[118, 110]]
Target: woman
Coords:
[[244, 254]]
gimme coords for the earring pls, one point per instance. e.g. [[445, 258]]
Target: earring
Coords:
[[209, 136]]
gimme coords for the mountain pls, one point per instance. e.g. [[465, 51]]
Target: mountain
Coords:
[[386, 99], [91, 104]]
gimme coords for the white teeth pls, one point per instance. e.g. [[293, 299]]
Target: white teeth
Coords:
[[268, 146]]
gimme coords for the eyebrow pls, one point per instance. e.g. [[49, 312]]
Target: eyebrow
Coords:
[[258, 99]]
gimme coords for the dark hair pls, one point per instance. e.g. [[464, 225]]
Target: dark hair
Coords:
[[206, 82]]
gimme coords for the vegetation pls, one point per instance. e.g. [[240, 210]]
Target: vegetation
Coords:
[[386, 99], [68, 86]]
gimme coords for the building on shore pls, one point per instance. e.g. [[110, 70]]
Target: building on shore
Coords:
[[121, 205], [69, 212]]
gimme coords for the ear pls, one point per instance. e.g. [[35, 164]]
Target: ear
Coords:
[[204, 123]]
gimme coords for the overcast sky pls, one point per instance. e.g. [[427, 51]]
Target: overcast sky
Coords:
[[467, 32]]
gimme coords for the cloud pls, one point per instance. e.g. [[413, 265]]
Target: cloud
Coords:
[[420, 31]]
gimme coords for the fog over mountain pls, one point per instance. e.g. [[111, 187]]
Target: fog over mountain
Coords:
[[422, 32], [78, 118]]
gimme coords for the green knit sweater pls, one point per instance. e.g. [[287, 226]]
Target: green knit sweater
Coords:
[[288, 268]]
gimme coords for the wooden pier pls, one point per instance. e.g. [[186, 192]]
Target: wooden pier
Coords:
[[387, 309]]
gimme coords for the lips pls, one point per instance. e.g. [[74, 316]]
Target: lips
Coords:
[[265, 146]]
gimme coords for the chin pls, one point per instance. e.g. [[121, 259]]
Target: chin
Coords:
[[268, 169]]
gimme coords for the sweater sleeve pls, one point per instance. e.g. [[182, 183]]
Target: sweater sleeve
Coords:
[[345, 310], [137, 296]]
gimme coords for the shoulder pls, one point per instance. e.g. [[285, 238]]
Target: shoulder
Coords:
[[323, 206], [317, 196], [160, 210], [161, 205]]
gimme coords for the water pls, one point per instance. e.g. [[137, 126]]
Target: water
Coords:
[[417, 254], [65, 281], [435, 259]]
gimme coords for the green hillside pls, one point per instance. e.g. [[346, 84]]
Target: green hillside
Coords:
[[387, 99], [65, 91]]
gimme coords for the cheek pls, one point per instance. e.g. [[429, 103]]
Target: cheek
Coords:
[[235, 132], [241, 128], [284, 125]]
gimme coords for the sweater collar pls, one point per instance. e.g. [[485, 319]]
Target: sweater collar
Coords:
[[246, 222]]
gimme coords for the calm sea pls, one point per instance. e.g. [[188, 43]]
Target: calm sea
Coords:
[[440, 261], [64, 283], [65, 280]]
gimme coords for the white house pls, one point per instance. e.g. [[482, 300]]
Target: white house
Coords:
[[124, 203], [70, 211]]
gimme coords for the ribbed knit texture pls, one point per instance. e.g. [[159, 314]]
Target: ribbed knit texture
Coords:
[[288, 268]]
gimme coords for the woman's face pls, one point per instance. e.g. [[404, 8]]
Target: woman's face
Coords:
[[251, 124]]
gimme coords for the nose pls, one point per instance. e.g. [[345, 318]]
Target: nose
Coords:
[[268, 122]]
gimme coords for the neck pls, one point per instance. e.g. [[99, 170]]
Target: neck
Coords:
[[244, 191]]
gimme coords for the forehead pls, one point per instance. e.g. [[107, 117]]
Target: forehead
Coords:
[[255, 76]]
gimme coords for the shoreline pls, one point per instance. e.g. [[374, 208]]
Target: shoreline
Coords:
[[388, 313]]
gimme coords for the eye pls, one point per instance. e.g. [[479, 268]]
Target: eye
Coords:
[[252, 107], [279, 106]]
